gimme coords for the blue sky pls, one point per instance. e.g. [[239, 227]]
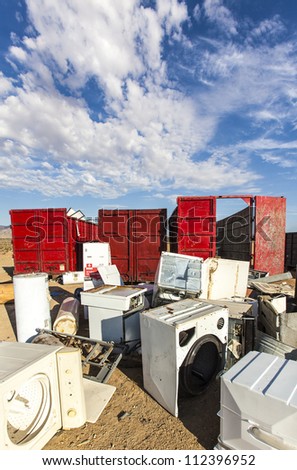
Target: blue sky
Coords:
[[128, 104]]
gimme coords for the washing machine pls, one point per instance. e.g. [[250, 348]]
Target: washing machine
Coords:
[[183, 347], [41, 392]]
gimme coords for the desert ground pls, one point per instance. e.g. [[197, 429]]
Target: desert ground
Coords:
[[132, 419]]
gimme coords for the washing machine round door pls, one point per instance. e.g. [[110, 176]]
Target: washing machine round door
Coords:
[[201, 365], [28, 409]]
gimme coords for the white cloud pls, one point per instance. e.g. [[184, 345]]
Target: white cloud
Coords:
[[151, 133], [217, 13], [267, 29], [280, 161], [6, 85]]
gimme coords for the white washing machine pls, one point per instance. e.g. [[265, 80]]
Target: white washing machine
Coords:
[[41, 391], [183, 347]]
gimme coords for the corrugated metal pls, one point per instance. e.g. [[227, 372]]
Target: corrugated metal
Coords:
[[234, 235], [193, 226], [270, 232], [137, 238], [291, 250], [47, 240]]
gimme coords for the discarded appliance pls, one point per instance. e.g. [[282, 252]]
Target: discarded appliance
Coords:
[[276, 321], [183, 347], [268, 344], [136, 237], [255, 274], [41, 391], [94, 280], [224, 278], [285, 285], [75, 277], [258, 408], [94, 255], [67, 319], [242, 326], [76, 214], [100, 356], [110, 275], [49, 240], [32, 304], [113, 312], [177, 277]]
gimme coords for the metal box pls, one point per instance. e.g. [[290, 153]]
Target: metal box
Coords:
[[48, 240], [113, 313], [178, 276], [224, 278], [95, 254], [259, 404]]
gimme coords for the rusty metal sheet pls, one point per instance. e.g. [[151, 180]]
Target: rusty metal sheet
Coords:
[[270, 233]]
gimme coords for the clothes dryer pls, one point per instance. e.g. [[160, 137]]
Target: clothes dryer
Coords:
[[183, 347], [41, 391]]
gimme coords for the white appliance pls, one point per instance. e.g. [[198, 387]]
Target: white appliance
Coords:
[[73, 277], [242, 326], [113, 312], [40, 392], [224, 278], [32, 304], [110, 275], [95, 254], [178, 276], [259, 404], [183, 347]]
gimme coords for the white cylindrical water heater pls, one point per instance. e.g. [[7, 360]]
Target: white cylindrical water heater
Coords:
[[32, 304]]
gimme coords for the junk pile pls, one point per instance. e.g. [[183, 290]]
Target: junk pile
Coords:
[[200, 320]]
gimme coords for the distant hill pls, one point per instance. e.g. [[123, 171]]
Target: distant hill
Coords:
[[5, 231]]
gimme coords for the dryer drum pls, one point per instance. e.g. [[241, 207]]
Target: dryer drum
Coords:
[[28, 409], [201, 365]]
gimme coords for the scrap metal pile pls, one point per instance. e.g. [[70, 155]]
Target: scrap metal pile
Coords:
[[190, 319]]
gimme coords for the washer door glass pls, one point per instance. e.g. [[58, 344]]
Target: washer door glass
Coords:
[[28, 409], [200, 366]]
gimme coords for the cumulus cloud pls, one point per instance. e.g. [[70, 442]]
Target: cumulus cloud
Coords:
[[149, 132]]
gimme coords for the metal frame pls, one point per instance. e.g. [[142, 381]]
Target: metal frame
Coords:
[[95, 353]]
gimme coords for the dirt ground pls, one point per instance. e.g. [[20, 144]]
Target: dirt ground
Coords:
[[132, 419]]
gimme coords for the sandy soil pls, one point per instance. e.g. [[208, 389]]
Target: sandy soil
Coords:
[[132, 419]]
